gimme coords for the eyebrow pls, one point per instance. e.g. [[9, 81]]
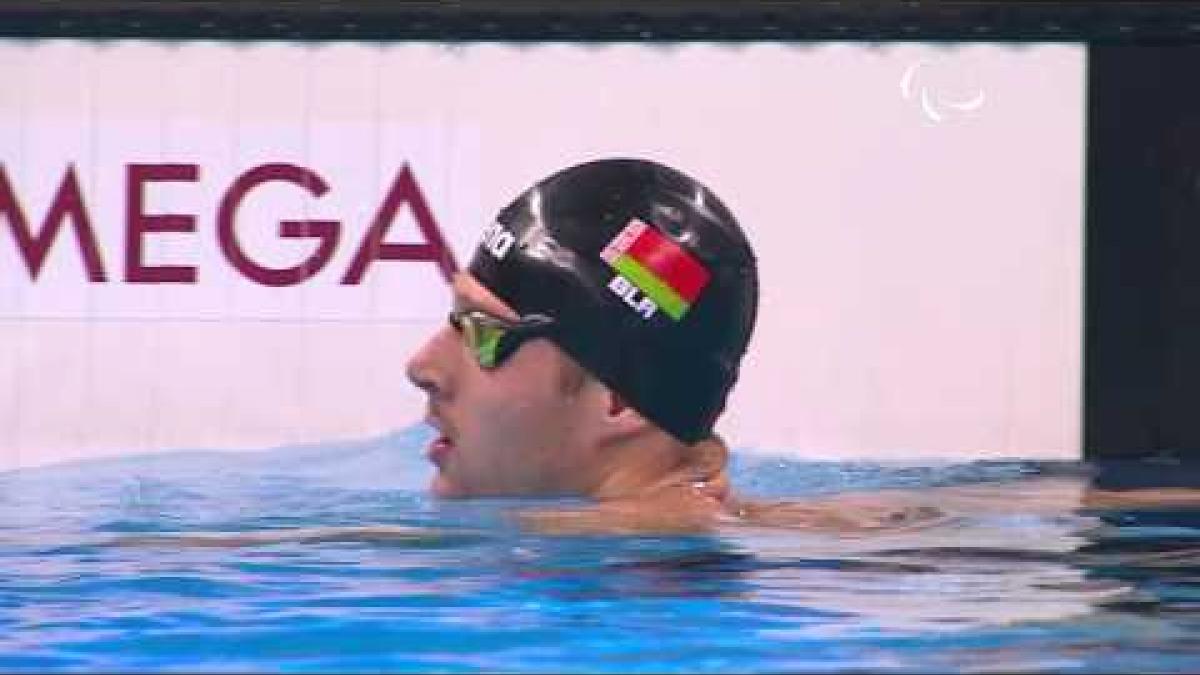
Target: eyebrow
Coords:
[[461, 303]]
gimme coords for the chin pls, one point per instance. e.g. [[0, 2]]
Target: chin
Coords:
[[445, 489]]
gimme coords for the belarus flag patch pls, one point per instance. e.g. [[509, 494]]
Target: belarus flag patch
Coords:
[[657, 266]]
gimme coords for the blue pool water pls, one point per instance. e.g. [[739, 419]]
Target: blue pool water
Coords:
[[1018, 576]]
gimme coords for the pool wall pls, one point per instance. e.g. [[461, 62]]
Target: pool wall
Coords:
[[917, 211]]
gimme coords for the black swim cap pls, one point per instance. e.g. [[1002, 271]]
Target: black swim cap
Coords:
[[651, 281]]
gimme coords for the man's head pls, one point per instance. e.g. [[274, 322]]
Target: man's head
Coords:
[[625, 270]]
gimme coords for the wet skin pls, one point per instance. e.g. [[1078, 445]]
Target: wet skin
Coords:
[[507, 431]]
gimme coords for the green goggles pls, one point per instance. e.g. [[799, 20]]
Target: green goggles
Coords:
[[492, 340]]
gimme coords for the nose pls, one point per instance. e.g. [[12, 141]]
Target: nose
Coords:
[[430, 369]]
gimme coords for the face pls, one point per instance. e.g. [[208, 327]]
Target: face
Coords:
[[512, 430]]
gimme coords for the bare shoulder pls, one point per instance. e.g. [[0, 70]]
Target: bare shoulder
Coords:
[[848, 513], [845, 514], [902, 509], [641, 516]]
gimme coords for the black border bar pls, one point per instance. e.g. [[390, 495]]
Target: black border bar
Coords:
[[1142, 257], [1113, 21]]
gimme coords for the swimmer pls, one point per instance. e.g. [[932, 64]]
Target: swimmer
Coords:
[[591, 348]]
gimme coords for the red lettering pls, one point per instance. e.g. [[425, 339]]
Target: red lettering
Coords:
[[404, 191], [138, 223], [325, 230], [68, 203]]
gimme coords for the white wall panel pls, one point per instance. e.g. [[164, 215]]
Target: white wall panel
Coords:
[[917, 211]]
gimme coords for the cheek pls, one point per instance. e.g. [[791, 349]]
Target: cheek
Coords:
[[518, 419], [497, 418], [503, 450], [516, 424]]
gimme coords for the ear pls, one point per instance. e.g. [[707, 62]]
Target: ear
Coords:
[[622, 418], [616, 404]]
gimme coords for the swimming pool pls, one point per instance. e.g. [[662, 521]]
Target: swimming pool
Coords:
[[1015, 578]]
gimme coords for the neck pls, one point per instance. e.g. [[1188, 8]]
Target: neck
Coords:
[[654, 465]]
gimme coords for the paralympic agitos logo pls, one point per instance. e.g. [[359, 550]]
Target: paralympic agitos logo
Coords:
[[68, 216]]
